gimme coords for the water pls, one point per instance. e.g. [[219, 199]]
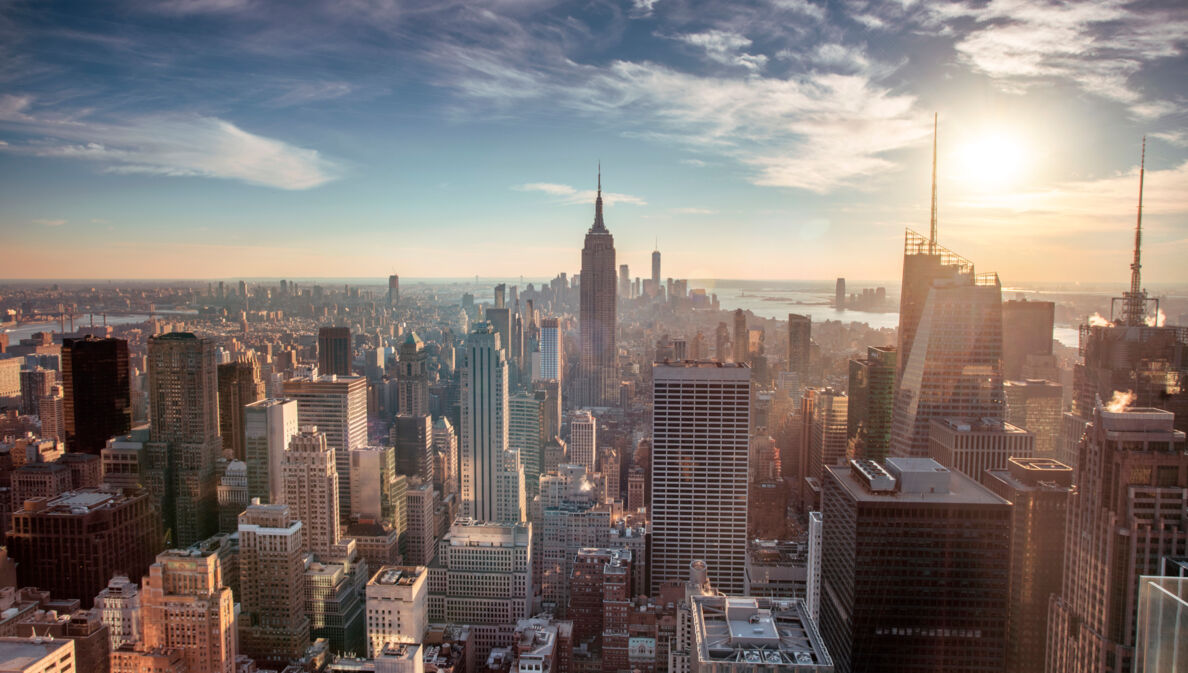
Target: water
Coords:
[[25, 331], [815, 299]]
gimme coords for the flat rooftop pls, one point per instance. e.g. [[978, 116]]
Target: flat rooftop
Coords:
[[961, 489], [397, 575], [760, 632]]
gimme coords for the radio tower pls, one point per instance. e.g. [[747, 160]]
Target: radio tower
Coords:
[[1134, 303], [932, 225]]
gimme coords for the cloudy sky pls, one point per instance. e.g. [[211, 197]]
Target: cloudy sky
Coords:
[[764, 139]]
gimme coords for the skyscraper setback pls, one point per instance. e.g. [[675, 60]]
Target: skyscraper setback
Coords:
[[599, 352]]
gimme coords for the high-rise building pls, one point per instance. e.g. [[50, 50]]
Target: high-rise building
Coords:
[[800, 344], [187, 607], [96, 396], [268, 427], [526, 432], [37, 655], [232, 494], [839, 295], [334, 351], [119, 608], [421, 539], [914, 568], [827, 442], [1125, 516], [1038, 489], [413, 438], [373, 475], [311, 481], [779, 631], [445, 443], [1036, 405], [570, 515], [184, 434], [273, 626], [482, 575], [500, 319], [510, 504], [72, 544], [624, 282], [552, 351], [484, 420], [412, 379], [397, 607], [742, 338], [598, 318], [239, 385], [393, 290], [600, 583], [973, 445], [954, 367], [52, 409], [872, 399], [583, 439], [699, 478], [337, 405], [36, 383], [1026, 331], [656, 267]]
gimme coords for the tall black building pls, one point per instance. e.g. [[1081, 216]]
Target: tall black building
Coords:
[[97, 398], [334, 350]]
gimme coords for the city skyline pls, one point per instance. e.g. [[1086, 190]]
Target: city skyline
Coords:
[[148, 146]]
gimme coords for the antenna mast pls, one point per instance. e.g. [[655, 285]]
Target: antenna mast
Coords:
[[932, 223]]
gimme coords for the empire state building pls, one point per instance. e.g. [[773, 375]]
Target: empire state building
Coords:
[[599, 366]]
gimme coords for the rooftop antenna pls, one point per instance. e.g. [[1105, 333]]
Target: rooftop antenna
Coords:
[[1134, 302], [932, 223]]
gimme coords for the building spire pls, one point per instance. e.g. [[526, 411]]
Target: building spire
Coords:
[[1136, 300], [598, 224], [932, 220]]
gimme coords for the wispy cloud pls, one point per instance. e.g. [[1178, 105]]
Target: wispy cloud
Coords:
[[1097, 46], [49, 222], [725, 48], [696, 163], [692, 211], [572, 196], [641, 9], [166, 144]]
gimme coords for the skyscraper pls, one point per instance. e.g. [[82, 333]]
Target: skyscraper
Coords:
[[1026, 332], [96, 397], [186, 606], [954, 367], [1035, 405], [599, 353], [742, 339], [273, 626], [337, 406], [311, 490], [334, 351], [414, 446], [914, 564], [508, 480], [552, 351], [1126, 515], [839, 298], [624, 281], [484, 420], [239, 385], [412, 381], [656, 268], [184, 440], [526, 432], [1038, 489], [393, 290], [397, 607], [973, 445], [268, 427], [699, 478], [800, 344], [827, 438], [583, 440], [872, 399]]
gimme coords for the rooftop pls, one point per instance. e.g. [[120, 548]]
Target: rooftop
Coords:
[[19, 654], [397, 575], [760, 632], [915, 481], [995, 425]]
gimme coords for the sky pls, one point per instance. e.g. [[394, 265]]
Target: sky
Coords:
[[768, 139]]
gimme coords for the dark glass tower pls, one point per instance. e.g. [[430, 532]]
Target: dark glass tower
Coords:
[[97, 400], [334, 350]]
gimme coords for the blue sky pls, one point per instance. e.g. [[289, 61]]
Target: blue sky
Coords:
[[766, 139]]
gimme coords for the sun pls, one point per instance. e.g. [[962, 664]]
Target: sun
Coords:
[[991, 159]]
